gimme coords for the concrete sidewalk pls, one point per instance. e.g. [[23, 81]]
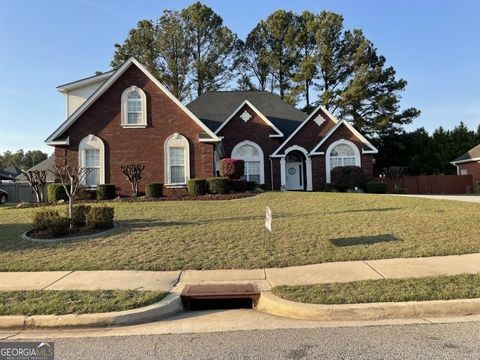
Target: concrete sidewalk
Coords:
[[264, 278], [464, 198]]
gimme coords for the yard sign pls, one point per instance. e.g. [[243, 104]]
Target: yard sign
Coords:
[[268, 219]]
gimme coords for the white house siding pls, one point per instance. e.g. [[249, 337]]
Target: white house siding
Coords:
[[76, 97]]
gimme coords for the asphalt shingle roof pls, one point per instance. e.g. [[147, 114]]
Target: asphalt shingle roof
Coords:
[[470, 154], [46, 165], [214, 107]]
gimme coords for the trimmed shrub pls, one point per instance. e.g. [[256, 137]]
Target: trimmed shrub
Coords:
[[79, 214], [100, 217], [51, 221], [329, 188], [231, 168], [347, 177], [376, 187], [106, 192], [56, 192], [218, 185], [154, 190], [251, 185], [197, 186], [238, 185], [399, 191]]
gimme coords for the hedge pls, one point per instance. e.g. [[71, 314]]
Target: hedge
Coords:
[[218, 185], [376, 187], [347, 177], [238, 185], [106, 192], [154, 190], [56, 192], [197, 186], [51, 221], [231, 168], [100, 217], [79, 214]]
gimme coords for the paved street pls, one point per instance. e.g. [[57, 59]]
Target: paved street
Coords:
[[428, 341]]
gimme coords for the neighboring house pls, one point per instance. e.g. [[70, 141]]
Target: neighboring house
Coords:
[[45, 165], [128, 116], [469, 164], [6, 176], [11, 171]]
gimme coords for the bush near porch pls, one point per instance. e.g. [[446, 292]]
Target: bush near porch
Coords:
[[308, 228]]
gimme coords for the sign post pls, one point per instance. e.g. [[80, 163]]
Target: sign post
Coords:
[[268, 219]]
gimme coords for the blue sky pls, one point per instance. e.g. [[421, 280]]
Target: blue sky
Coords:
[[434, 45]]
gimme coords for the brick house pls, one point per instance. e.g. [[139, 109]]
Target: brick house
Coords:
[[127, 116], [469, 164]]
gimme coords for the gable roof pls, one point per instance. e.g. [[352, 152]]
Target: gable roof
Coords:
[[12, 170], [52, 139], [6, 176], [85, 81], [371, 149], [471, 155], [249, 104], [214, 107], [312, 114], [44, 165]]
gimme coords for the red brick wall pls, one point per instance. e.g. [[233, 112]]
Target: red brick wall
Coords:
[[310, 134], [145, 145], [473, 169], [255, 130]]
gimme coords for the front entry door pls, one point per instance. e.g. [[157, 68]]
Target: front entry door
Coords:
[[294, 173]]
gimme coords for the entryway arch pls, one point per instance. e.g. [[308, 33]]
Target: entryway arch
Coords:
[[296, 169]]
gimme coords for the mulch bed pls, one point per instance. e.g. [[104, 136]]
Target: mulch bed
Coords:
[[43, 234]]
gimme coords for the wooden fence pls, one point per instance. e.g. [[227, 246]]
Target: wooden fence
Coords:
[[434, 184]]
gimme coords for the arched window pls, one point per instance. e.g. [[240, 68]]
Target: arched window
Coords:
[[91, 153], [252, 154], [341, 153], [134, 107], [177, 160]]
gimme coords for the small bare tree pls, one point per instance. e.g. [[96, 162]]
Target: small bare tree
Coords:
[[71, 179], [37, 180], [133, 173], [395, 173]]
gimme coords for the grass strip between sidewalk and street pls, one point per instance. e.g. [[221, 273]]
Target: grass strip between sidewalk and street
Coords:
[[53, 302], [464, 286]]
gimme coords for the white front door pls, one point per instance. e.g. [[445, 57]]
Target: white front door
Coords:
[[294, 173]]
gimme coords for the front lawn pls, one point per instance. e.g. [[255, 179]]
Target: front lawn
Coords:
[[50, 302], [308, 228], [465, 286]]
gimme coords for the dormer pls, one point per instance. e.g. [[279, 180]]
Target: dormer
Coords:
[[77, 92]]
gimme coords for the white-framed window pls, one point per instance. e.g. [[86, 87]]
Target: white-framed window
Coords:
[[91, 153], [177, 160], [134, 108], [341, 153], [464, 172], [252, 155]]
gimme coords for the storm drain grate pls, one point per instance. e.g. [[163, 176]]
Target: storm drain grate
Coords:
[[223, 296]]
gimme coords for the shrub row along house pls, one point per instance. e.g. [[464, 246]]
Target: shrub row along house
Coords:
[[127, 116]]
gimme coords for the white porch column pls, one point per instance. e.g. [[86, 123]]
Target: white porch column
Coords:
[[283, 178], [308, 164]]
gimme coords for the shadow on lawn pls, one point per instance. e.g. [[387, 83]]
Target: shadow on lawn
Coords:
[[363, 240], [364, 210]]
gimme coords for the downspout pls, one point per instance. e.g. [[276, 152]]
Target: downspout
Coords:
[[271, 172]]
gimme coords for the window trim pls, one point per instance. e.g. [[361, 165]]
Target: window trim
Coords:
[[92, 142], [251, 158], [174, 141], [354, 147], [124, 115]]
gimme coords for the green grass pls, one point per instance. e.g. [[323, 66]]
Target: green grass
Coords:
[[49, 302], [465, 286], [308, 228]]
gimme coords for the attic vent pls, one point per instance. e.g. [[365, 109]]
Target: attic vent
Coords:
[[245, 116], [319, 120]]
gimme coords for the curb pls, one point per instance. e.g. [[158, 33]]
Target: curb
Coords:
[[272, 304], [168, 306]]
